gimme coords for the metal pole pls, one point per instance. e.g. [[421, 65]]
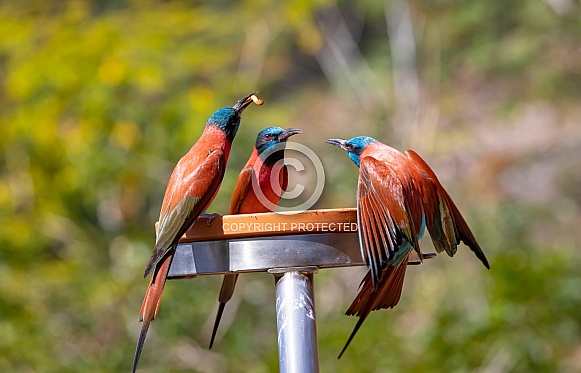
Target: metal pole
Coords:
[[295, 319]]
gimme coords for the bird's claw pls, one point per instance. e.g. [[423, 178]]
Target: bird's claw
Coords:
[[424, 256], [209, 218]]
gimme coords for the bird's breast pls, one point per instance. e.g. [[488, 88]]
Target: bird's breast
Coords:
[[266, 187]]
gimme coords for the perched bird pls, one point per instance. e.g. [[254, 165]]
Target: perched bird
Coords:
[[192, 186], [398, 196], [258, 175]]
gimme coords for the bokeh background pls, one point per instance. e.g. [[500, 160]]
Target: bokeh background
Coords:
[[99, 99]]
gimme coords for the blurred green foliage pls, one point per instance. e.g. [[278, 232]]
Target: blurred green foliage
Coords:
[[99, 99]]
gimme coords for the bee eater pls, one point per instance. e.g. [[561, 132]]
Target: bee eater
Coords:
[[259, 172], [398, 197], [192, 186]]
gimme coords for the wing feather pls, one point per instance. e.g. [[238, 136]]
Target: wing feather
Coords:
[[241, 189], [445, 223], [203, 185], [384, 217], [387, 234]]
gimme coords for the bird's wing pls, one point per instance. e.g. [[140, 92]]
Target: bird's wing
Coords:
[[387, 233], [387, 236], [444, 221], [188, 195], [243, 185]]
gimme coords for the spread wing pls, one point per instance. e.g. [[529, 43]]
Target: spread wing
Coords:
[[387, 234], [444, 221], [187, 196]]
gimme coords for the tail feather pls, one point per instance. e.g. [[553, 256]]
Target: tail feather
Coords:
[[226, 291], [142, 335], [390, 293], [150, 305], [386, 295], [221, 307], [357, 326], [361, 299]]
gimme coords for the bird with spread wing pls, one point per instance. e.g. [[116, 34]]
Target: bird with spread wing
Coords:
[[398, 197]]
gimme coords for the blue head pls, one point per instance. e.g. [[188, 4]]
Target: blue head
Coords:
[[228, 119], [267, 140], [353, 147]]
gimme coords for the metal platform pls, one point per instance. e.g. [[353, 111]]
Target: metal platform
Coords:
[[325, 250]]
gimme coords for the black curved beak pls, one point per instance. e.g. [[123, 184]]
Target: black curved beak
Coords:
[[338, 142], [243, 103], [284, 135]]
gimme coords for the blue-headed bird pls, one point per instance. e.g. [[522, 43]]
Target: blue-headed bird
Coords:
[[263, 177], [192, 187], [398, 196]]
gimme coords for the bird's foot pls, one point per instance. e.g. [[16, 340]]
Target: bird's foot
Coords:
[[209, 218], [424, 256]]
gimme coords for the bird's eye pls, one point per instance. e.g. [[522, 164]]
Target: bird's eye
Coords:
[[267, 137]]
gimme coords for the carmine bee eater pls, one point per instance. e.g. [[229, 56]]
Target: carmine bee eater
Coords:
[[398, 196], [192, 186], [265, 172]]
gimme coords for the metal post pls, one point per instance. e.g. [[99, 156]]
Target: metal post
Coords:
[[295, 319]]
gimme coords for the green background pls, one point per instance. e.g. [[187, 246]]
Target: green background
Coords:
[[99, 99]]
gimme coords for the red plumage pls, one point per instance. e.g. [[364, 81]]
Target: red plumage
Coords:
[[192, 187], [263, 177], [397, 197], [244, 198]]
